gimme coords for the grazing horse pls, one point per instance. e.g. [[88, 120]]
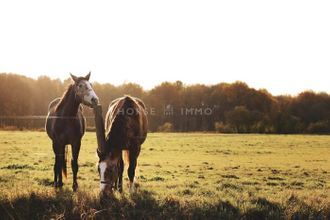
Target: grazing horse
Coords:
[[65, 124], [125, 130]]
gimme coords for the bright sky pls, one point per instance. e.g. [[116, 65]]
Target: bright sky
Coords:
[[282, 45]]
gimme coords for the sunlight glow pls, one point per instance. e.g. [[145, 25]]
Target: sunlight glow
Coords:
[[283, 46]]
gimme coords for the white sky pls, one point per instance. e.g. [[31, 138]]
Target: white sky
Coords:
[[283, 46]]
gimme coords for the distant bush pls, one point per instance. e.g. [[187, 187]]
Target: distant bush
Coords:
[[166, 127], [320, 127], [8, 128], [262, 127], [220, 127], [258, 127]]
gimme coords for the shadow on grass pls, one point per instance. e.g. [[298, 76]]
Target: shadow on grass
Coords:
[[265, 210], [143, 205]]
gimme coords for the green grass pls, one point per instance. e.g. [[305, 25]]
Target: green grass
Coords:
[[190, 176]]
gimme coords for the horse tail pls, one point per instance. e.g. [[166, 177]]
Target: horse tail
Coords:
[[64, 170]]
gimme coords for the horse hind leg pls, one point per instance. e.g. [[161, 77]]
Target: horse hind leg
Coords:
[[55, 172], [55, 165], [131, 170], [120, 175]]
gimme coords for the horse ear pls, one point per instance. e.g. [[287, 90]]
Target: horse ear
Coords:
[[88, 76], [74, 78]]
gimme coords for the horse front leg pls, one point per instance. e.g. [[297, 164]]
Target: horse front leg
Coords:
[[60, 161], [59, 158], [74, 164], [59, 154]]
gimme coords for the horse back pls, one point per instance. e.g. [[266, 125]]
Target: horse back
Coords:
[[126, 123]]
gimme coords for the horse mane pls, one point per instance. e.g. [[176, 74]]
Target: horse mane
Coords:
[[64, 98]]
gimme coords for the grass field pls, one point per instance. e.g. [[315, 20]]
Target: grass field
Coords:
[[190, 176]]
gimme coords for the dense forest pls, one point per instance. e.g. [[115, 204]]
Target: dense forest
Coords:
[[223, 107]]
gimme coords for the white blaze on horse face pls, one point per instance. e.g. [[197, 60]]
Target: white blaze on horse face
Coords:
[[103, 167], [90, 96]]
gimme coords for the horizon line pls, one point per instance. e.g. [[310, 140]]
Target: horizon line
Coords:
[[124, 82]]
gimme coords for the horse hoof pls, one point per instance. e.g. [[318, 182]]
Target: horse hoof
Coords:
[[58, 185], [75, 187], [132, 188]]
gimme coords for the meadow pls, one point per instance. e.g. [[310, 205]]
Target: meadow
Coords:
[[179, 176]]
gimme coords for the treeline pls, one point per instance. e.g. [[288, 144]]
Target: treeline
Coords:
[[224, 107]]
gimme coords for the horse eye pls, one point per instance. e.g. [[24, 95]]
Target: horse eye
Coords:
[[80, 85]]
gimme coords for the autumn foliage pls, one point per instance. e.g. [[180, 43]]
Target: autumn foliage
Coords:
[[223, 107]]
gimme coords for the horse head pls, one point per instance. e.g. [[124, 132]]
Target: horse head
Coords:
[[108, 169], [84, 90]]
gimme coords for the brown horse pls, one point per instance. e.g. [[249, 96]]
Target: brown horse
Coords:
[[126, 129], [65, 124]]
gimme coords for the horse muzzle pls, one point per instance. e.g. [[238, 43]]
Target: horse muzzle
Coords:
[[90, 100]]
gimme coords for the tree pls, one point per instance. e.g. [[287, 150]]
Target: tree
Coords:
[[234, 107], [240, 118]]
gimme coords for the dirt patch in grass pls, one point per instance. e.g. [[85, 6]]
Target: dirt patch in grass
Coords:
[[157, 178], [186, 192], [230, 176], [3, 179], [44, 181], [272, 184], [229, 186], [275, 178], [250, 183], [17, 167]]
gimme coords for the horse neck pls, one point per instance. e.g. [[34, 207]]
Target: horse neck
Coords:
[[113, 142], [69, 104]]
